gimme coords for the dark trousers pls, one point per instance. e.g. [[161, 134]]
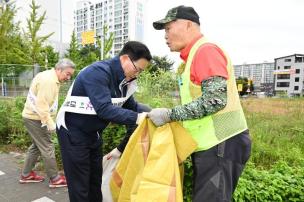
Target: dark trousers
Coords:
[[216, 171], [82, 162]]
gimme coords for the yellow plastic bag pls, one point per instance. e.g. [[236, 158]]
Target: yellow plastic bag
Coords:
[[149, 167]]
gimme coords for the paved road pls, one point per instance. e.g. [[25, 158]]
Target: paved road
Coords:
[[12, 191]]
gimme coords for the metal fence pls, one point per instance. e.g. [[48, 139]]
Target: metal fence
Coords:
[[16, 86]]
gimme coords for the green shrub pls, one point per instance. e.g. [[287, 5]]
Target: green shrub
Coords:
[[275, 170], [5, 111], [158, 89], [111, 137], [280, 183], [187, 182], [12, 130], [18, 134]]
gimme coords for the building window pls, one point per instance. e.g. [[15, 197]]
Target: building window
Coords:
[[296, 88], [297, 71], [287, 67], [297, 79], [283, 76], [287, 60], [299, 59], [283, 84]]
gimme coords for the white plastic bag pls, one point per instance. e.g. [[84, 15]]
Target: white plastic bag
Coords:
[[108, 167]]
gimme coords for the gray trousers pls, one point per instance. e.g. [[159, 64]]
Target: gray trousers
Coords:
[[41, 145]]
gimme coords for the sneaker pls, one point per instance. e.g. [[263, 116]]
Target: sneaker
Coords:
[[32, 177], [59, 182]]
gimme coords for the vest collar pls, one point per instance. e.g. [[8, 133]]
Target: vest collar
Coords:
[[185, 52]]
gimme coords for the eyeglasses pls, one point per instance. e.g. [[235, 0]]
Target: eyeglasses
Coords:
[[137, 69], [67, 74]]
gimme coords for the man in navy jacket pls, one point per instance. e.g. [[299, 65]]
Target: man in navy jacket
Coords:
[[101, 93]]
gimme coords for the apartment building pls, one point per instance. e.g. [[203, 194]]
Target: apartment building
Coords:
[[289, 75], [260, 73], [124, 18]]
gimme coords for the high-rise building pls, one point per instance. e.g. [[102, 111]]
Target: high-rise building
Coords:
[[289, 75], [124, 18], [3, 2], [260, 73]]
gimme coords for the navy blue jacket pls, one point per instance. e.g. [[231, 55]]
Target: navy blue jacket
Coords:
[[100, 82]]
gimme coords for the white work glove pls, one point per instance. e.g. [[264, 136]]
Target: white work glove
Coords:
[[115, 153], [141, 117], [160, 116]]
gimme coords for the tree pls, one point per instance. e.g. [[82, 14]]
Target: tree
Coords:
[[12, 45], [107, 42], [73, 52], [160, 62], [6, 27], [51, 56], [88, 54], [34, 23]]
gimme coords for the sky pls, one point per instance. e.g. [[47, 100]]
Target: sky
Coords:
[[250, 31]]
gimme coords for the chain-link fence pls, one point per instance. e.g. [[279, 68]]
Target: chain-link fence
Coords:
[[15, 79], [13, 86], [16, 86]]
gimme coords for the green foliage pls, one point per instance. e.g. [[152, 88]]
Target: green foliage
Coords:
[[106, 42], [34, 23], [5, 107], [158, 89], [12, 130], [275, 171], [277, 130], [112, 136], [57, 151], [187, 183], [7, 28], [12, 47], [18, 50], [160, 63], [280, 183], [51, 56], [88, 54], [73, 52]]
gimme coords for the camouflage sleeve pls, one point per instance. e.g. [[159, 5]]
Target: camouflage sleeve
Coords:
[[213, 99]]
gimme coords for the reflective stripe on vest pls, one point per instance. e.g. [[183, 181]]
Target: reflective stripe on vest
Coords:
[[213, 129]]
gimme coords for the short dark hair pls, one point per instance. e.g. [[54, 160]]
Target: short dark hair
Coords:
[[136, 50]]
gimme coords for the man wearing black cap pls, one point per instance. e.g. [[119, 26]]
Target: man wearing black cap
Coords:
[[210, 110]]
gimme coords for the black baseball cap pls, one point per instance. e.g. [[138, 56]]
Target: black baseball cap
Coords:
[[179, 12]]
